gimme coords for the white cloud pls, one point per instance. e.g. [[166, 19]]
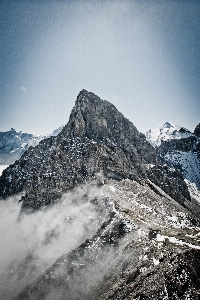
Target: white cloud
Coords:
[[32, 243], [23, 89]]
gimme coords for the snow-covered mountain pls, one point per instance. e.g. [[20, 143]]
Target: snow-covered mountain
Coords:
[[167, 132], [13, 144], [180, 149]]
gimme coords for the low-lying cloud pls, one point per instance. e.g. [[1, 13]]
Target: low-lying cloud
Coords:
[[31, 243]]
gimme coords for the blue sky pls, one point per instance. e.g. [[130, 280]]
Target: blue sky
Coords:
[[143, 56]]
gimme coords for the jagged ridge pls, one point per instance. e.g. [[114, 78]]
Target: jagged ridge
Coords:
[[96, 139]]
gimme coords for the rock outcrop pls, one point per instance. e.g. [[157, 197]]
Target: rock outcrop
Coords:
[[197, 130]]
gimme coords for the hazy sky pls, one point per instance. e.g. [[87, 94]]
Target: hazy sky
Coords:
[[143, 56]]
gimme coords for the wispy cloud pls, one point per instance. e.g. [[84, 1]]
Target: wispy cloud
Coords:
[[33, 242], [24, 89]]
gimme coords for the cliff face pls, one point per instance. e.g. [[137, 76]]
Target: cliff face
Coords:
[[97, 139], [100, 121]]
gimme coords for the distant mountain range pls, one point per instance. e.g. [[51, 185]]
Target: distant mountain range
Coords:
[[102, 213], [13, 144], [169, 131]]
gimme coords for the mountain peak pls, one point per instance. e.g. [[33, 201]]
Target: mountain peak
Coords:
[[85, 96], [100, 120], [117, 207], [171, 126], [97, 138], [168, 125], [82, 93]]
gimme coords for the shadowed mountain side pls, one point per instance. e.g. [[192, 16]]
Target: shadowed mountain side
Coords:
[[97, 139], [197, 130]]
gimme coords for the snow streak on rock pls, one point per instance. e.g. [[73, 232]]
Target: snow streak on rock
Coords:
[[187, 162]]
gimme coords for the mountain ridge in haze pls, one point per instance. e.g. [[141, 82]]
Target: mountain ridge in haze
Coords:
[[13, 144]]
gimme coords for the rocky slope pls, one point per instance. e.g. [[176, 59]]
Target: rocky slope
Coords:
[[96, 139], [145, 246], [13, 144], [197, 130], [122, 225]]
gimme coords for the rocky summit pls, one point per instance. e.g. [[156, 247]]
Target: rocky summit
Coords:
[[111, 219], [97, 138]]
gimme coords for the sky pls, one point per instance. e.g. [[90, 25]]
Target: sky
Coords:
[[142, 56]]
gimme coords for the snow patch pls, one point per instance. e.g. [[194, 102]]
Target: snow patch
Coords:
[[188, 162], [172, 239], [193, 190], [155, 261], [112, 188]]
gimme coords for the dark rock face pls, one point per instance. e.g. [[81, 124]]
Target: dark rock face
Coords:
[[100, 121], [96, 139], [197, 130], [184, 155], [184, 145], [176, 278]]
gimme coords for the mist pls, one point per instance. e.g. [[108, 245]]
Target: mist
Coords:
[[32, 242]]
